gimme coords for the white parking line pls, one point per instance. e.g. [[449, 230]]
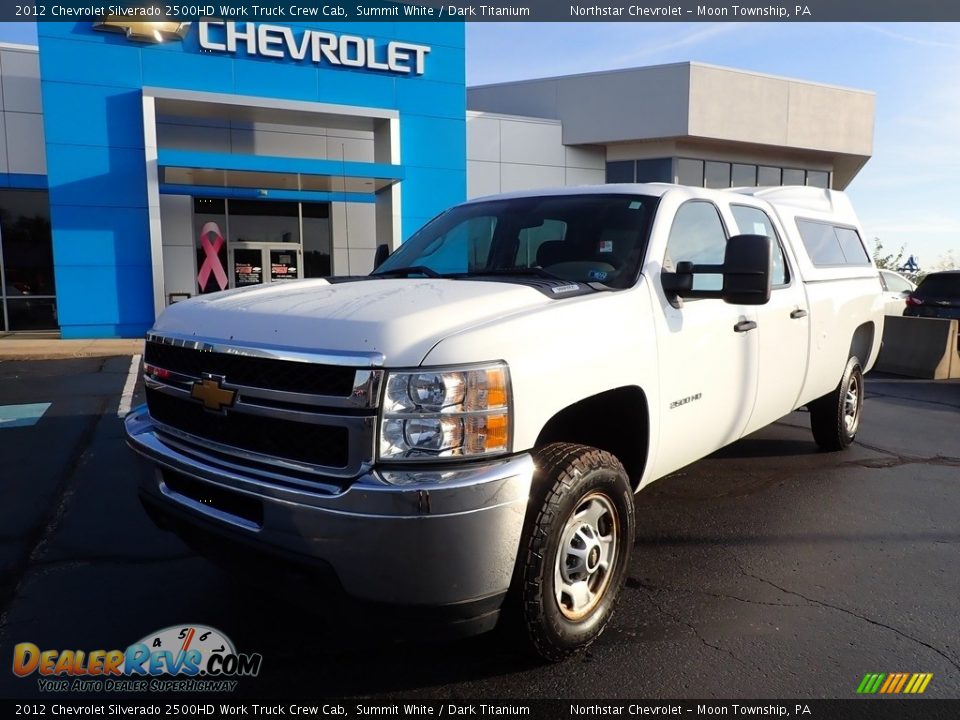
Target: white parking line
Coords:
[[126, 399]]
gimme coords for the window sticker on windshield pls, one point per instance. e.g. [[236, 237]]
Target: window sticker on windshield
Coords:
[[599, 275], [605, 246], [759, 228], [635, 205]]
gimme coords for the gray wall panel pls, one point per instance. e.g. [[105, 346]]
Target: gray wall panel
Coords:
[[527, 177], [249, 142], [193, 137], [21, 80], [594, 158], [483, 178], [26, 150], [582, 176], [3, 144], [531, 143], [483, 138]]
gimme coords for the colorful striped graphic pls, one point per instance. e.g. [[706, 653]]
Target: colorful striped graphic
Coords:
[[894, 683]]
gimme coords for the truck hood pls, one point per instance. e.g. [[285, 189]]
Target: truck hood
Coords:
[[402, 319]]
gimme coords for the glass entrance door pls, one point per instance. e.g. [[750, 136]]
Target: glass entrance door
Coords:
[[258, 263]]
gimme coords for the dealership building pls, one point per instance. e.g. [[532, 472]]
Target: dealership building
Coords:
[[145, 163]]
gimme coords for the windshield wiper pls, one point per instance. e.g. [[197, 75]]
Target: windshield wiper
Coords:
[[407, 271]]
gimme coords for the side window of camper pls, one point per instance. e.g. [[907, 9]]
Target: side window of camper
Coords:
[[829, 244]]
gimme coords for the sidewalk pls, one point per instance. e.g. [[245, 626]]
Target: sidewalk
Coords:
[[24, 348]]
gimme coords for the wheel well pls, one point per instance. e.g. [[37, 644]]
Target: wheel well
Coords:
[[862, 343], [616, 421]]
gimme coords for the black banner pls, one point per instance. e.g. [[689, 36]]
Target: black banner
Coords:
[[488, 11], [854, 709]]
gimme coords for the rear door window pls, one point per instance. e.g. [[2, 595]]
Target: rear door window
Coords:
[[754, 221]]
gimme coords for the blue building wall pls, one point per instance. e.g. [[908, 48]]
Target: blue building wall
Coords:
[[93, 120]]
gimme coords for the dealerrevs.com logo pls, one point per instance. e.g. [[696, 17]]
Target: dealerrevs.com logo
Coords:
[[187, 658]]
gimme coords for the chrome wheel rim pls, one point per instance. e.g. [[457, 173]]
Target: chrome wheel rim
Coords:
[[851, 405], [586, 556]]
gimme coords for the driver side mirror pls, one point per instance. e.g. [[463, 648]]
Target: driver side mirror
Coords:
[[383, 252], [746, 274]]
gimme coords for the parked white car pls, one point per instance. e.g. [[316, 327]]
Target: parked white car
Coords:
[[896, 288], [474, 419]]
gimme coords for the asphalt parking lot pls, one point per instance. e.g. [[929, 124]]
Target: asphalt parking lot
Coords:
[[767, 570]]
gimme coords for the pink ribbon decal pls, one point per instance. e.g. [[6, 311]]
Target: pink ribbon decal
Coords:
[[211, 240]]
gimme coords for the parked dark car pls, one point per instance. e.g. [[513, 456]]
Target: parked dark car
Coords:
[[937, 296]]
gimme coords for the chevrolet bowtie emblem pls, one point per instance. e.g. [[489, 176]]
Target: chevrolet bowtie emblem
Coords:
[[211, 392], [144, 31]]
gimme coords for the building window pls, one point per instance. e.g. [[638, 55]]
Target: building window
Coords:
[[690, 172], [621, 171], [655, 170], [743, 175], [716, 174], [316, 239], [792, 176], [236, 234], [264, 221], [818, 178], [27, 293], [768, 176]]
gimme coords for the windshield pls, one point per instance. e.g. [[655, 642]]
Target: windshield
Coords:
[[583, 238]]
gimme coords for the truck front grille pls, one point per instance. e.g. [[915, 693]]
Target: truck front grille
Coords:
[[273, 412], [285, 375], [303, 442]]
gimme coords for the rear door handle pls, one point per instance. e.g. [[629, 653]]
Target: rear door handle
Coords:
[[797, 314], [744, 326]]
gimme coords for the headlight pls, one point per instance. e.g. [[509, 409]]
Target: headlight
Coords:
[[440, 413]]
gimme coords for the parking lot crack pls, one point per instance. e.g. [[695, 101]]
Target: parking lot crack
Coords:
[[634, 583], [651, 592], [895, 459], [851, 613]]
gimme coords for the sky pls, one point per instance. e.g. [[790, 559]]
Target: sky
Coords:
[[906, 195]]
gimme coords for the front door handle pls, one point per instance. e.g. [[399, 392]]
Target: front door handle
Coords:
[[797, 314], [744, 326]]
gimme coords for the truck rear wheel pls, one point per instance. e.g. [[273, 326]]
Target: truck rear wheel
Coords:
[[835, 417], [577, 547]]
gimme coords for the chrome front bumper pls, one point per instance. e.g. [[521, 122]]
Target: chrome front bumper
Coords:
[[427, 544]]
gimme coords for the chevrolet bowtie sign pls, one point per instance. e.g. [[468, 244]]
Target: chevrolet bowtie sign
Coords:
[[144, 31], [284, 43]]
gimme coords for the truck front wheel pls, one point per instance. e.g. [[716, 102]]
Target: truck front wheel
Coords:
[[835, 417], [577, 547]]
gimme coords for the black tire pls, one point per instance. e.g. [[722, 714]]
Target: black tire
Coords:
[[835, 417], [579, 492]]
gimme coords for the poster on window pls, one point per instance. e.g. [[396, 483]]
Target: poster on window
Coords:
[[211, 260], [247, 267], [283, 265]]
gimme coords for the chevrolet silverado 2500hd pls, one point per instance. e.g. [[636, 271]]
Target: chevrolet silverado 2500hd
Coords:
[[472, 421]]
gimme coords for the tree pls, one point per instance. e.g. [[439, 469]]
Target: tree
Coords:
[[947, 261], [894, 261]]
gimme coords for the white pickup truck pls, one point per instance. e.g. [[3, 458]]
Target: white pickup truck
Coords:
[[470, 424]]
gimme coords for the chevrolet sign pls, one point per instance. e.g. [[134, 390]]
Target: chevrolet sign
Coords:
[[282, 42], [144, 31], [317, 46]]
